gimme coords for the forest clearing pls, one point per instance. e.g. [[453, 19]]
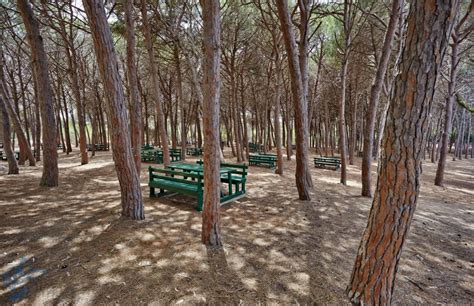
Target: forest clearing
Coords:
[[236, 152], [276, 249]]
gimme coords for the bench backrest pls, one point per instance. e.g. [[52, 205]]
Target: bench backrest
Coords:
[[175, 176], [263, 157], [240, 168]]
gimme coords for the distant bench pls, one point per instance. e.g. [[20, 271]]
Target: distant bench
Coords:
[[3, 156], [98, 147], [255, 147], [263, 159], [156, 156], [194, 151], [327, 162]]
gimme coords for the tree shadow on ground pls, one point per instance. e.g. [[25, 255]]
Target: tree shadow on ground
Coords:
[[277, 249]]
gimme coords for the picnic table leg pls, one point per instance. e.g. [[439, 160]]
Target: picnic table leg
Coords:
[[229, 178]]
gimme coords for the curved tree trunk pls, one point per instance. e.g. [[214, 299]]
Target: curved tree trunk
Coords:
[[448, 116], [7, 144], [160, 115], [276, 118], [375, 97], [129, 179], [373, 276], [303, 175], [50, 175], [22, 141], [135, 109]]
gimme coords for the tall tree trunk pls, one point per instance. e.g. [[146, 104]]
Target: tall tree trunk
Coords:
[[375, 97], [342, 115], [7, 145], [182, 108], [276, 118], [50, 176], [37, 122], [135, 109], [129, 179], [467, 137], [160, 116], [211, 233], [66, 121], [22, 141], [448, 119], [373, 276], [303, 175]]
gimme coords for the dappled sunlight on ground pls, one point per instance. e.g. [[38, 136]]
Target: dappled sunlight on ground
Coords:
[[69, 245]]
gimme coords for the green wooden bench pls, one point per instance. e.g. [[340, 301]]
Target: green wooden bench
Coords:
[[265, 160], [175, 155], [147, 147], [176, 182], [98, 147], [3, 156], [156, 156], [267, 154], [255, 147], [148, 155], [194, 151], [238, 176], [188, 179], [327, 162]]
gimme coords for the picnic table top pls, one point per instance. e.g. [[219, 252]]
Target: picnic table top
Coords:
[[197, 167]]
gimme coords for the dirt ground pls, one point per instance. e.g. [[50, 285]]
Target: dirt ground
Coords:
[[68, 244]]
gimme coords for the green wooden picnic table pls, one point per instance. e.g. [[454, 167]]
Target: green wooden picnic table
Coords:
[[197, 170]]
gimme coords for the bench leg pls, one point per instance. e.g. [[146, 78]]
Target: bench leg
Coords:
[[200, 202], [152, 192]]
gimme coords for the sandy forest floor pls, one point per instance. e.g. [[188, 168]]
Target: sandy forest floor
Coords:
[[69, 245]]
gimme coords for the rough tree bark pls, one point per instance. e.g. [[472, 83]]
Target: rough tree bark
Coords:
[[7, 145], [129, 179], [373, 276], [375, 97], [135, 109], [50, 176], [303, 175], [160, 116], [211, 233]]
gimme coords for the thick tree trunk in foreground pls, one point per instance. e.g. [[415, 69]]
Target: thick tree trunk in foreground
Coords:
[[50, 175], [211, 233], [7, 144], [160, 115], [303, 175], [135, 109], [375, 97], [373, 276], [132, 205]]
